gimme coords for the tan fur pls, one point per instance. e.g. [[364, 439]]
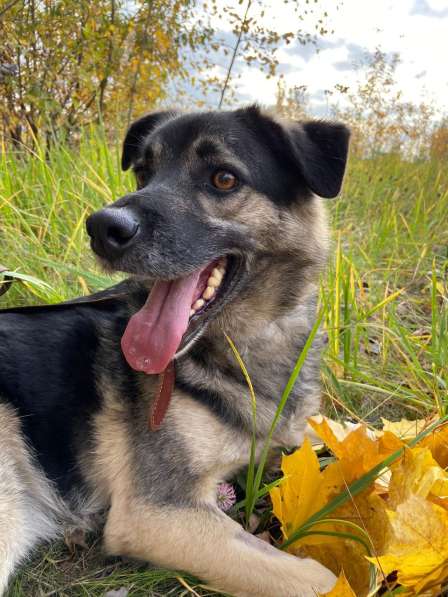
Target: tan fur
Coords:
[[201, 539], [29, 508], [108, 468], [302, 240], [210, 545]]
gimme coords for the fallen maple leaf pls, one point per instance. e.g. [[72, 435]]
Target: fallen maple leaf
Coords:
[[417, 473], [418, 548], [437, 442], [340, 589], [400, 519], [302, 492], [357, 453], [339, 429], [306, 489], [368, 511], [406, 429]]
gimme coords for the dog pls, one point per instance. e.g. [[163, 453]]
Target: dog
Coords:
[[225, 235]]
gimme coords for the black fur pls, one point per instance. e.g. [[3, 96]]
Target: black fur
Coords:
[[317, 151], [47, 357], [47, 354], [215, 401], [283, 163]]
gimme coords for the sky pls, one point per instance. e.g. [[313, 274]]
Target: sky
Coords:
[[415, 29]]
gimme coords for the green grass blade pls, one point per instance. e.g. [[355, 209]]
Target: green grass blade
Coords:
[[286, 392]]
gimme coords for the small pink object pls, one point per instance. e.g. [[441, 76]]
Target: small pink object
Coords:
[[226, 496]]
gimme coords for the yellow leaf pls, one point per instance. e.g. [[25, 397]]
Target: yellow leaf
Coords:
[[417, 473], [411, 535], [163, 40], [302, 492], [368, 511], [357, 452], [340, 430], [341, 589], [405, 429], [305, 490], [437, 442], [418, 548]]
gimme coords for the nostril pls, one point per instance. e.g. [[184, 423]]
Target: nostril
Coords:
[[122, 232]]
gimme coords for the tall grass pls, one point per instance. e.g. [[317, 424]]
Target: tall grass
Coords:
[[44, 201], [384, 299], [386, 290]]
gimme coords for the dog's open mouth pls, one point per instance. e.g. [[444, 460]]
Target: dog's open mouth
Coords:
[[174, 313]]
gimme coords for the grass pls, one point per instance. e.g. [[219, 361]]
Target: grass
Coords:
[[384, 300], [56, 572], [386, 292]]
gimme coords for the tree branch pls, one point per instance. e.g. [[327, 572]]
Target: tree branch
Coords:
[[8, 7], [235, 52]]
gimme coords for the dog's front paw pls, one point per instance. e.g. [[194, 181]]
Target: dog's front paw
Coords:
[[295, 577], [316, 579]]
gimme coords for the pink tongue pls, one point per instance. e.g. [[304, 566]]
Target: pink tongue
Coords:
[[154, 333]]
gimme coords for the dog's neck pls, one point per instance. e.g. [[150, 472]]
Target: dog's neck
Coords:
[[269, 347], [258, 339], [277, 303]]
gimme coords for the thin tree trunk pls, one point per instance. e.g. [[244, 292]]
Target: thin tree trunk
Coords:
[[234, 54], [137, 70], [105, 79]]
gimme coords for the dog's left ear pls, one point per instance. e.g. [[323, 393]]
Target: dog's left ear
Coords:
[[320, 150]]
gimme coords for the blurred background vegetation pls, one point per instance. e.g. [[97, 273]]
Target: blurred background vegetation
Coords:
[[65, 64]]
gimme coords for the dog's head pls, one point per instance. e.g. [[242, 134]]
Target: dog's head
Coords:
[[215, 192]]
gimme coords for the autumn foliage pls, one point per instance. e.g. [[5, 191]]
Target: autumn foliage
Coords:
[[392, 530], [66, 63]]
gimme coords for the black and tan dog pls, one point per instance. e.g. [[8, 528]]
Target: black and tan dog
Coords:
[[224, 234]]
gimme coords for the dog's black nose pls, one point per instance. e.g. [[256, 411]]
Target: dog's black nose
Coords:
[[112, 231]]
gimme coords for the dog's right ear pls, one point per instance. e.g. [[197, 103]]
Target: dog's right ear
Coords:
[[137, 132], [315, 149]]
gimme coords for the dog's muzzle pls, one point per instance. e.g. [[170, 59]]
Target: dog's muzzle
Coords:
[[112, 231]]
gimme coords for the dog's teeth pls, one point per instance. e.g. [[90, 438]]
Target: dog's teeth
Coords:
[[192, 312], [208, 293], [213, 282], [217, 273], [198, 304]]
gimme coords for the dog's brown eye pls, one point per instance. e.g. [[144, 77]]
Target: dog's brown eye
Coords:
[[224, 181]]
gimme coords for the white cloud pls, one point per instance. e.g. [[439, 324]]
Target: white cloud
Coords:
[[437, 4], [416, 29]]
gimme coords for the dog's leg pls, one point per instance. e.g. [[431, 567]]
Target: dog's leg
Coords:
[[165, 511], [26, 514], [207, 543], [15, 540]]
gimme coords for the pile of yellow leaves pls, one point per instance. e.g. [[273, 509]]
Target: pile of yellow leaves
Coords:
[[393, 534]]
